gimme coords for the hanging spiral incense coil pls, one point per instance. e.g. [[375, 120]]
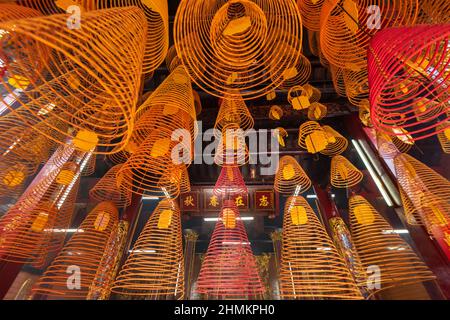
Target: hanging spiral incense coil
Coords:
[[427, 191], [12, 179], [356, 85], [230, 182], [388, 148], [155, 267], [185, 184], [411, 213], [420, 53], [238, 43], [290, 177], [296, 74], [311, 267], [378, 245], [317, 111], [310, 11], [343, 173], [109, 188], [229, 269], [280, 133], [10, 11], [301, 97], [275, 113], [56, 80], [231, 149], [147, 167], [312, 137], [89, 169], [85, 251], [346, 27], [436, 11], [32, 227], [364, 113], [118, 157], [444, 136], [172, 59], [337, 75], [337, 144], [234, 111], [49, 7]]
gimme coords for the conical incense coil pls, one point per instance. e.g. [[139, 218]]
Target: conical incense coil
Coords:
[[316, 111], [143, 171], [444, 136], [236, 44], [301, 97], [275, 112], [414, 53], [231, 149], [35, 225], [339, 84], [310, 11], [234, 111], [343, 173], [185, 184], [313, 137], [10, 11], [346, 27], [42, 74], [172, 59], [109, 188], [229, 269], [356, 86], [378, 245], [118, 157], [155, 266], [389, 147], [81, 256], [230, 182], [412, 215], [280, 133], [311, 267], [290, 177], [337, 143]]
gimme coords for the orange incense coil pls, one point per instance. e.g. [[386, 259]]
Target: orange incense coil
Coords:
[[35, 225], [118, 157], [155, 266], [185, 184], [89, 169], [356, 85], [378, 245], [12, 179], [275, 113], [229, 269], [295, 74], [311, 267], [48, 81], [337, 144], [389, 147], [339, 84], [143, 171], [317, 111], [312, 137], [290, 177], [301, 97], [314, 42], [310, 11], [364, 113], [343, 173], [49, 7], [109, 188], [83, 253], [11, 11], [172, 59], [280, 134], [234, 111], [230, 182], [237, 44], [426, 61], [426, 189], [412, 215], [176, 179], [436, 11], [346, 27], [444, 136], [231, 149]]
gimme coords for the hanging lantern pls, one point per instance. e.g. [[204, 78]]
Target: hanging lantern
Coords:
[[233, 111], [30, 230], [311, 267], [337, 144], [230, 182], [290, 177], [316, 111], [155, 266], [343, 173], [275, 113], [414, 53], [109, 188], [378, 245], [83, 253], [280, 134], [229, 269], [236, 44], [312, 137], [45, 92]]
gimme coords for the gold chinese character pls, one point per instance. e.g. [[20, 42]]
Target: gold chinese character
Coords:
[[239, 201], [213, 201], [189, 201], [263, 201]]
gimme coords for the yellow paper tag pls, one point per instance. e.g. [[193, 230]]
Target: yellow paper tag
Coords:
[[229, 218], [237, 26], [290, 73], [351, 17], [288, 172], [165, 218], [364, 215], [101, 221], [40, 222], [160, 147], [300, 103], [85, 140], [316, 141], [65, 177], [19, 82], [13, 178], [298, 215]]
